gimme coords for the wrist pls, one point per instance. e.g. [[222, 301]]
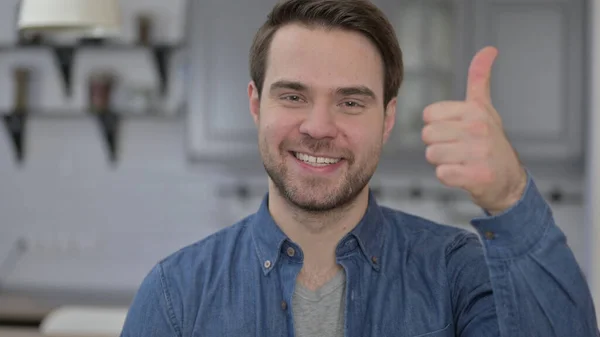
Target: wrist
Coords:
[[513, 196]]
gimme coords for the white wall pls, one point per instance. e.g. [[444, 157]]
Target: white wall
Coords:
[[95, 227], [111, 222]]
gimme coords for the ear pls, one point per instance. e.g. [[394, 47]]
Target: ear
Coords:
[[254, 102], [389, 119]]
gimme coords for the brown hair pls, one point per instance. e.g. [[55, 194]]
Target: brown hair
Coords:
[[355, 15]]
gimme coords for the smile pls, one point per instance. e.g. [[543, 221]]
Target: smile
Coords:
[[315, 161]]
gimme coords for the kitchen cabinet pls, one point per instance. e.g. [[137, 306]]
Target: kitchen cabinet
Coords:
[[432, 39], [220, 35], [538, 78], [537, 83], [220, 126]]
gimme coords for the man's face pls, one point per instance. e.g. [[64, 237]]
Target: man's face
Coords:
[[320, 118]]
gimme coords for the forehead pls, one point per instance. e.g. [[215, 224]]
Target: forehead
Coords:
[[324, 58]]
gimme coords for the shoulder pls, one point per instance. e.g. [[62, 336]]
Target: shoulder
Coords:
[[213, 247], [181, 276], [440, 252], [421, 234], [171, 289]]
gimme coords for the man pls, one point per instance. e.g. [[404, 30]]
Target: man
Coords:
[[320, 257]]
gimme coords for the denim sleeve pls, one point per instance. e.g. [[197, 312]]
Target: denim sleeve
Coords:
[[472, 295], [151, 314], [538, 287]]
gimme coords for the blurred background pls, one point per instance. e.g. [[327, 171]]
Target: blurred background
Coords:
[[116, 152]]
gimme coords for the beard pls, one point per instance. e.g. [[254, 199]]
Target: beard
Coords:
[[318, 194]]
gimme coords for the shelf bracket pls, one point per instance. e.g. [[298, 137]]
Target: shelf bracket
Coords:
[[162, 55], [15, 125], [109, 123], [64, 60]]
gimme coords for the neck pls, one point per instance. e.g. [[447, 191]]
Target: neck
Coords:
[[317, 234]]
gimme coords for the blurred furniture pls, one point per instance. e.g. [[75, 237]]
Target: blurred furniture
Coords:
[[84, 321]]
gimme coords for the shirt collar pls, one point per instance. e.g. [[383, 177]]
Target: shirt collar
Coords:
[[268, 237], [368, 235]]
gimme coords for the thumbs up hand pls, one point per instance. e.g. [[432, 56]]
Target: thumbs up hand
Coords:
[[467, 144]]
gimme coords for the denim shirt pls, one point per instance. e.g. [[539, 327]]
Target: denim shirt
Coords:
[[405, 277]]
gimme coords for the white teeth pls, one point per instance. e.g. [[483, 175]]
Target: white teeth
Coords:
[[316, 161]]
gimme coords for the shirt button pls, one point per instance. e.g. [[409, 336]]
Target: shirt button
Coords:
[[291, 252], [267, 264], [283, 305], [490, 235], [374, 259]]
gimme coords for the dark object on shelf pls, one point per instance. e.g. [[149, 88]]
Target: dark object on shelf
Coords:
[[101, 84], [416, 193], [15, 125], [21, 85], [15, 122], [101, 87], [144, 23], [64, 60], [243, 192], [556, 195], [109, 126], [30, 39], [162, 55]]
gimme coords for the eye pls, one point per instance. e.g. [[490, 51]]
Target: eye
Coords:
[[292, 98], [352, 104]]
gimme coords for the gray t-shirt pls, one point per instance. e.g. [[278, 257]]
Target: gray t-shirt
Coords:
[[320, 313]]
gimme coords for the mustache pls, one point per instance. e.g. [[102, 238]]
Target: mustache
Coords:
[[319, 146]]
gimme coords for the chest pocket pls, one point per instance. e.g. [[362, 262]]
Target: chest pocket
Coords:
[[447, 331]]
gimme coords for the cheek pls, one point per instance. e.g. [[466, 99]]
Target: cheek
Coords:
[[363, 135], [364, 144], [274, 133], [278, 127]]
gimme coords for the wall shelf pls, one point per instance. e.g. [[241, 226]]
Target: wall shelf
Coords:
[[109, 123], [64, 56]]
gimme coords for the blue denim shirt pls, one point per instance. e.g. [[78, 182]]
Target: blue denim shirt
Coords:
[[406, 277]]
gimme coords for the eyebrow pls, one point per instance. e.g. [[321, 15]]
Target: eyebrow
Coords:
[[283, 84], [360, 90]]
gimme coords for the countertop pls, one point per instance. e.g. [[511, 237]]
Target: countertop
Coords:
[[30, 308], [19, 332], [21, 307]]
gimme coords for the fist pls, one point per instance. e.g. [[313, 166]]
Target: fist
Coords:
[[468, 146]]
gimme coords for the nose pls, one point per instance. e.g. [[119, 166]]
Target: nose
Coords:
[[319, 123]]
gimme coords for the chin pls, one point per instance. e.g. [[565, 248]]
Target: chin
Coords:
[[321, 197], [314, 202]]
